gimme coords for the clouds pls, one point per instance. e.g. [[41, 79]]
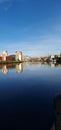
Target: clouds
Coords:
[[29, 28], [48, 45], [35, 45]]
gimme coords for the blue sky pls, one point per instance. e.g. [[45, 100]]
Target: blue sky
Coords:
[[31, 26]]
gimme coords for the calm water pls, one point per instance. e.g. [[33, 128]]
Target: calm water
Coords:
[[27, 96]]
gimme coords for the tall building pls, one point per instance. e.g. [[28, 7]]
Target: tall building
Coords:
[[4, 54], [18, 56]]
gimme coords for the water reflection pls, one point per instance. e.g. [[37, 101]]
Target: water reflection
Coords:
[[5, 68], [51, 64], [58, 112], [55, 65], [57, 109], [28, 99], [19, 67]]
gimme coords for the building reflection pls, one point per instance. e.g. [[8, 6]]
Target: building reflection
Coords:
[[19, 68], [4, 69], [53, 65]]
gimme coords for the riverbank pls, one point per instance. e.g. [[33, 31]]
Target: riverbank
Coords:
[[10, 62], [47, 59]]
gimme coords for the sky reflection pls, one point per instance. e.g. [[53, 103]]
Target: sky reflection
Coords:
[[28, 96]]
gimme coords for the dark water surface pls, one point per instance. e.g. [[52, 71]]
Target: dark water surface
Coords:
[[27, 96]]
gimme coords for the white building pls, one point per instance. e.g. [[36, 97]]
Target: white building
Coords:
[[18, 56], [4, 54], [52, 57]]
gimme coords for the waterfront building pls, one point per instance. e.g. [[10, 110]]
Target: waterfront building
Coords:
[[52, 57], [18, 56], [4, 54], [0, 58], [8, 58]]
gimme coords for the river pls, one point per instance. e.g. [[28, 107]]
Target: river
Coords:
[[27, 94]]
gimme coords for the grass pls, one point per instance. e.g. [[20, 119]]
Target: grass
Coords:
[[10, 62]]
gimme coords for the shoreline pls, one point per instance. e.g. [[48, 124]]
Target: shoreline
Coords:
[[10, 62]]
